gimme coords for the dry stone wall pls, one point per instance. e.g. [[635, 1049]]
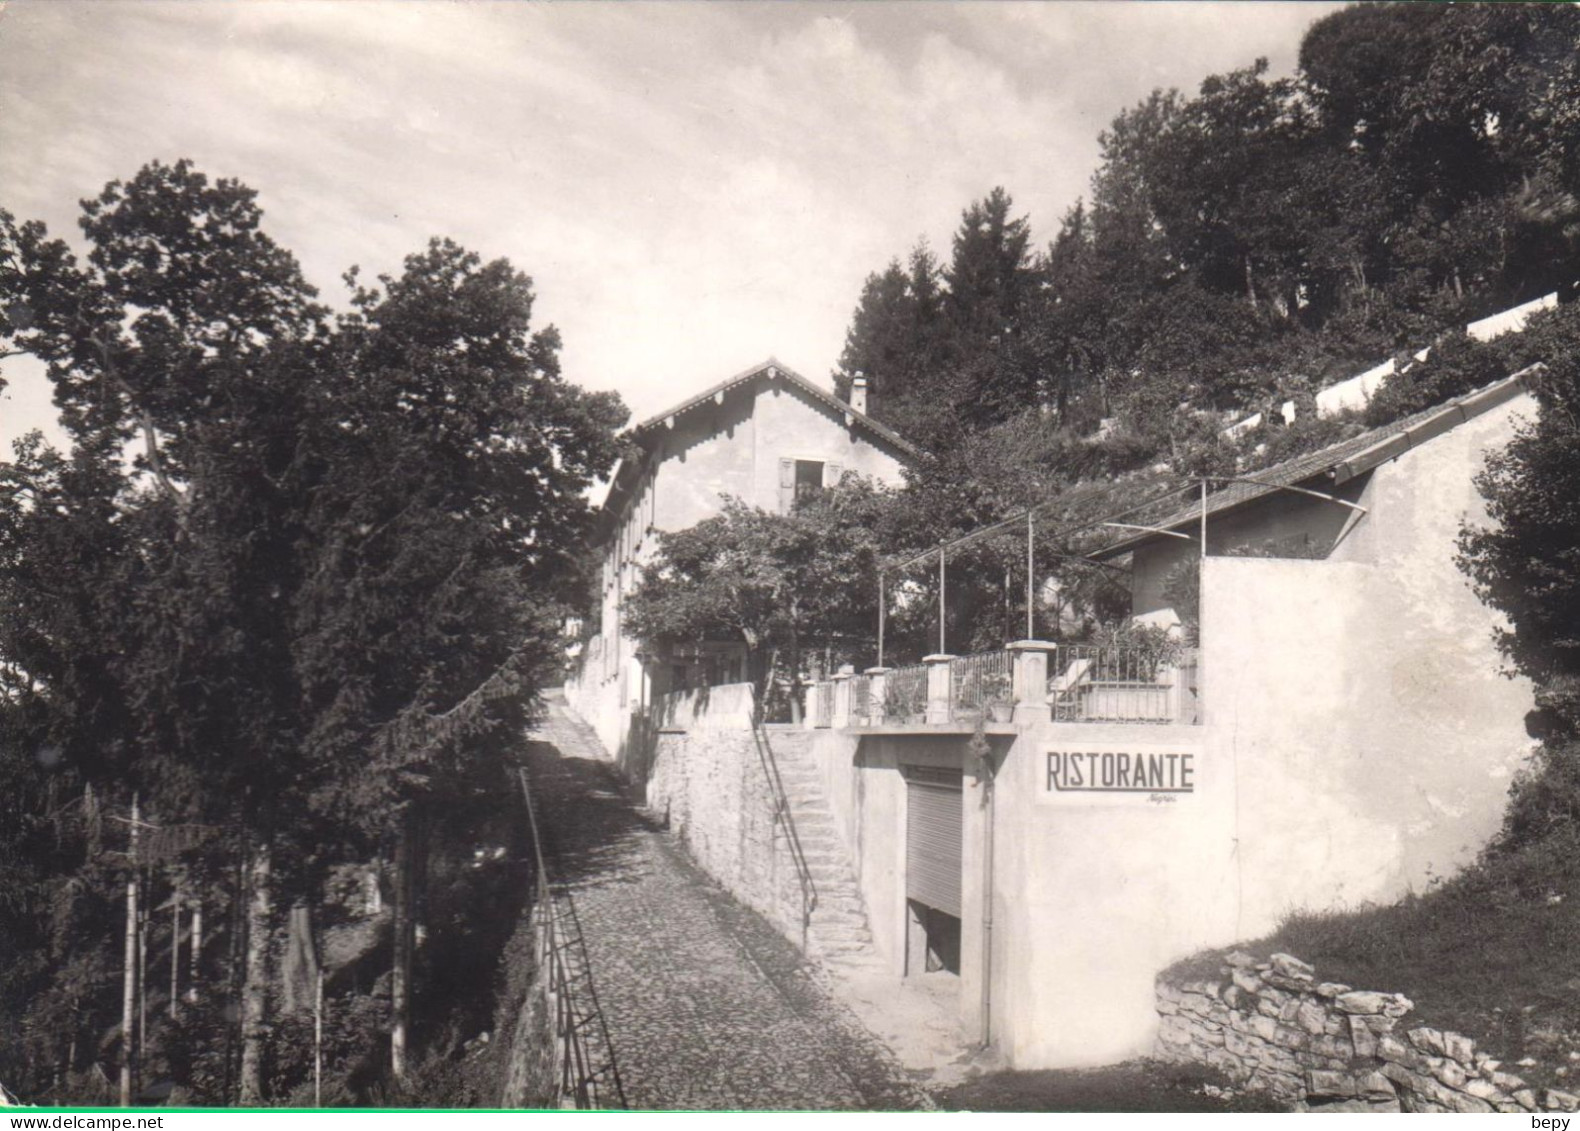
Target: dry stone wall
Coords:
[[1273, 1026], [710, 786]]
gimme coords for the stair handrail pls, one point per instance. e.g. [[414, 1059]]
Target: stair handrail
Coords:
[[579, 1079], [770, 764]]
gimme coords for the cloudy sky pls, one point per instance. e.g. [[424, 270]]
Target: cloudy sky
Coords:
[[693, 186]]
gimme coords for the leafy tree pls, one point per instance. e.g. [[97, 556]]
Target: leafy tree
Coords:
[[780, 584], [163, 338], [1527, 563], [338, 546], [442, 540]]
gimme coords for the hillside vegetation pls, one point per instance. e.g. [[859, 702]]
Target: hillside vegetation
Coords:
[[1242, 246]]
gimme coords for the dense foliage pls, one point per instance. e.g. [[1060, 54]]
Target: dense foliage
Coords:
[[1241, 247], [1527, 564], [296, 580], [781, 584], [1264, 236]]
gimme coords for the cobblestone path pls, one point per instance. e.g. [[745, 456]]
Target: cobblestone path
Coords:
[[707, 1006]]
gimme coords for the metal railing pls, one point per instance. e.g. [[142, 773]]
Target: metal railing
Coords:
[[588, 1078], [1116, 683], [783, 818], [823, 703], [980, 681], [905, 694]]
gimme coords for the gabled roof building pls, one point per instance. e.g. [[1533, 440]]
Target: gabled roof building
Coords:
[[767, 436]]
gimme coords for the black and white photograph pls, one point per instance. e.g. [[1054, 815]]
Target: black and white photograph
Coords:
[[673, 556]]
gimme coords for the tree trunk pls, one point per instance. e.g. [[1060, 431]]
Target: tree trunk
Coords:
[[196, 946], [255, 989], [129, 966], [301, 960], [400, 974], [142, 968], [795, 667]]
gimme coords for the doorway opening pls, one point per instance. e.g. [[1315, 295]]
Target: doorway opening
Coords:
[[932, 940], [933, 850]]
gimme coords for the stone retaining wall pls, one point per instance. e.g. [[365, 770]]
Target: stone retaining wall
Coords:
[[710, 788], [1274, 1027], [530, 1079]]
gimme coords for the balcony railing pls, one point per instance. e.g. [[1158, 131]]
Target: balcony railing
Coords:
[[822, 699], [1084, 683], [978, 683], [1105, 683], [905, 694]]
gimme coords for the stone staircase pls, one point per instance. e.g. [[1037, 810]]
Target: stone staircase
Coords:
[[839, 935]]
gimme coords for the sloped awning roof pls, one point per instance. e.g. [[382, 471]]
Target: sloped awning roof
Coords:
[[1338, 463]]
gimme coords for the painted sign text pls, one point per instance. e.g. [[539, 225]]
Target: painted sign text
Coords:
[[1117, 771]]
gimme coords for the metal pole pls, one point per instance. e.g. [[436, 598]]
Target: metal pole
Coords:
[[129, 964], [318, 1040], [882, 610], [175, 950], [1204, 518], [941, 554], [1031, 628]]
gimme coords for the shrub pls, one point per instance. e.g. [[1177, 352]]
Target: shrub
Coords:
[[1458, 364]]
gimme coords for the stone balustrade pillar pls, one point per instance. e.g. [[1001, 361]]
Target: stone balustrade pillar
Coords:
[[842, 680], [940, 695], [877, 681], [1031, 679]]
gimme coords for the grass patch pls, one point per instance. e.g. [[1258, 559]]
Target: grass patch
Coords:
[[1135, 1086], [1490, 953]]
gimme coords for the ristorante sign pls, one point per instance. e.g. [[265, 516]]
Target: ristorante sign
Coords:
[[1095, 773]]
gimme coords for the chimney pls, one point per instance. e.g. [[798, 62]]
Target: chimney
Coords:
[[858, 394]]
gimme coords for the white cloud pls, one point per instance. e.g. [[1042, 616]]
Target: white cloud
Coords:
[[692, 186]]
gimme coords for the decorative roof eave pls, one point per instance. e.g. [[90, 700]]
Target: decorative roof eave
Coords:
[[773, 369], [627, 472], [1349, 460]]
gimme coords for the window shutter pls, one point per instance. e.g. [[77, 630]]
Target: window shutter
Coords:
[[832, 473], [786, 485]]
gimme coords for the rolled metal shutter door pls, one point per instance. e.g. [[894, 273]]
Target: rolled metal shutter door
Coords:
[[933, 837]]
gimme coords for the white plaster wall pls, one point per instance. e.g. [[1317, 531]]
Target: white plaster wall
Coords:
[[1093, 897], [1280, 516], [727, 707], [596, 700], [793, 426], [1371, 735], [710, 452], [731, 447]]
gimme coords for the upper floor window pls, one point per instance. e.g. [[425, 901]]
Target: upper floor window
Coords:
[[802, 480]]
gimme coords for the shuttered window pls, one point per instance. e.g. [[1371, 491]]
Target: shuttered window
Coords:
[[786, 485], [933, 837]]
